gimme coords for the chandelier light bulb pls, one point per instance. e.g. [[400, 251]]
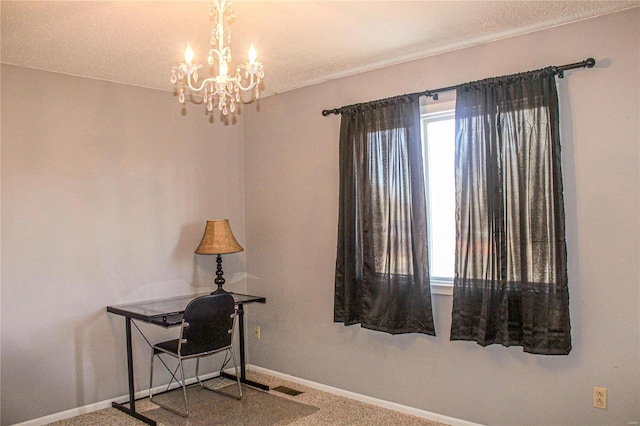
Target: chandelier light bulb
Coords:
[[223, 86], [188, 54], [253, 55]]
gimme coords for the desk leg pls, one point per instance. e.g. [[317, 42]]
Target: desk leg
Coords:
[[243, 368], [132, 390], [131, 410], [243, 365]]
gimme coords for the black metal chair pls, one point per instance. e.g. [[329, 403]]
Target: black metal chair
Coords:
[[207, 328]]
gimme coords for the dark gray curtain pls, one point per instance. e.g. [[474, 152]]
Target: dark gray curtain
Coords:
[[510, 286], [382, 276]]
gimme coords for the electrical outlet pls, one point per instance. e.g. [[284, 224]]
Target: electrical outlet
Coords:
[[600, 397], [256, 334]]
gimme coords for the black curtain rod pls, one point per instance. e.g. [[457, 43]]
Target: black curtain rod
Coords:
[[559, 71]]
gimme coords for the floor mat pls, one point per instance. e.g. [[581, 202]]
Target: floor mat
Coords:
[[209, 408]]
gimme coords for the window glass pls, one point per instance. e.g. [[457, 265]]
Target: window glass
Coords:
[[438, 137]]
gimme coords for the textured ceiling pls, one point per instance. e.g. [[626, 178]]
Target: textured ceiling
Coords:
[[300, 42]]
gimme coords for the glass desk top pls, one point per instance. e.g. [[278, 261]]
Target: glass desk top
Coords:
[[168, 312]]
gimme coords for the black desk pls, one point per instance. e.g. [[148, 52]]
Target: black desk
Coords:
[[168, 313]]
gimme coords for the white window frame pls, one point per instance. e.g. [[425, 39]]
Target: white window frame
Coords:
[[431, 109]]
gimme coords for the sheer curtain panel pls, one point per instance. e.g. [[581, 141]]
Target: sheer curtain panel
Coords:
[[510, 285], [382, 274]]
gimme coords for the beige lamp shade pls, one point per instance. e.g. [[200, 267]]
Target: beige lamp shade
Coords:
[[218, 239]]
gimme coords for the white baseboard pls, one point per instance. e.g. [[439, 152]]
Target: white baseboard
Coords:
[[324, 388], [105, 404], [366, 399]]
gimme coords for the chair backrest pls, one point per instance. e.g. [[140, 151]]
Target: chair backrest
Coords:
[[208, 324]]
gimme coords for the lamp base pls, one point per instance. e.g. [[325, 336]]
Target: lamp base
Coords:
[[219, 276]]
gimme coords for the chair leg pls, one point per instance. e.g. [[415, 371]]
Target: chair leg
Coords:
[[184, 389], [198, 375], [153, 355], [198, 372], [181, 382], [235, 366]]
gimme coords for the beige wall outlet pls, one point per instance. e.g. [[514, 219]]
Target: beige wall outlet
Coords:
[[600, 397]]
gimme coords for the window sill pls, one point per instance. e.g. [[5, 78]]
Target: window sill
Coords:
[[442, 287]]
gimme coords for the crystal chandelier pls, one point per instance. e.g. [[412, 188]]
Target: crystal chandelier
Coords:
[[223, 88]]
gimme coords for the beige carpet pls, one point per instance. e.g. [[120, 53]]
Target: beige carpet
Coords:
[[209, 408], [332, 410]]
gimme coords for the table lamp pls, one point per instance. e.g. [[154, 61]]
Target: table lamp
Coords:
[[218, 239]]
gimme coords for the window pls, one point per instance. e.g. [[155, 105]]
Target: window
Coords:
[[438, 139]]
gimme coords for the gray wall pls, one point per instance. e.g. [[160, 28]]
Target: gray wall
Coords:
[[291, 175], [105, 192]]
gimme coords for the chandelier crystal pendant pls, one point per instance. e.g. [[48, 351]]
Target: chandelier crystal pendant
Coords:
[[223, 88]]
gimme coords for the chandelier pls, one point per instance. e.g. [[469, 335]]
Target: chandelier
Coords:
[[223, 88]]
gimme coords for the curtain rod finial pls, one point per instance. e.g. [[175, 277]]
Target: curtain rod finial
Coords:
[[589, 63]]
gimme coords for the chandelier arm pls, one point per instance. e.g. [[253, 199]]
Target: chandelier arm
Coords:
[[220, 53], [204, 83], [253, 81]]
